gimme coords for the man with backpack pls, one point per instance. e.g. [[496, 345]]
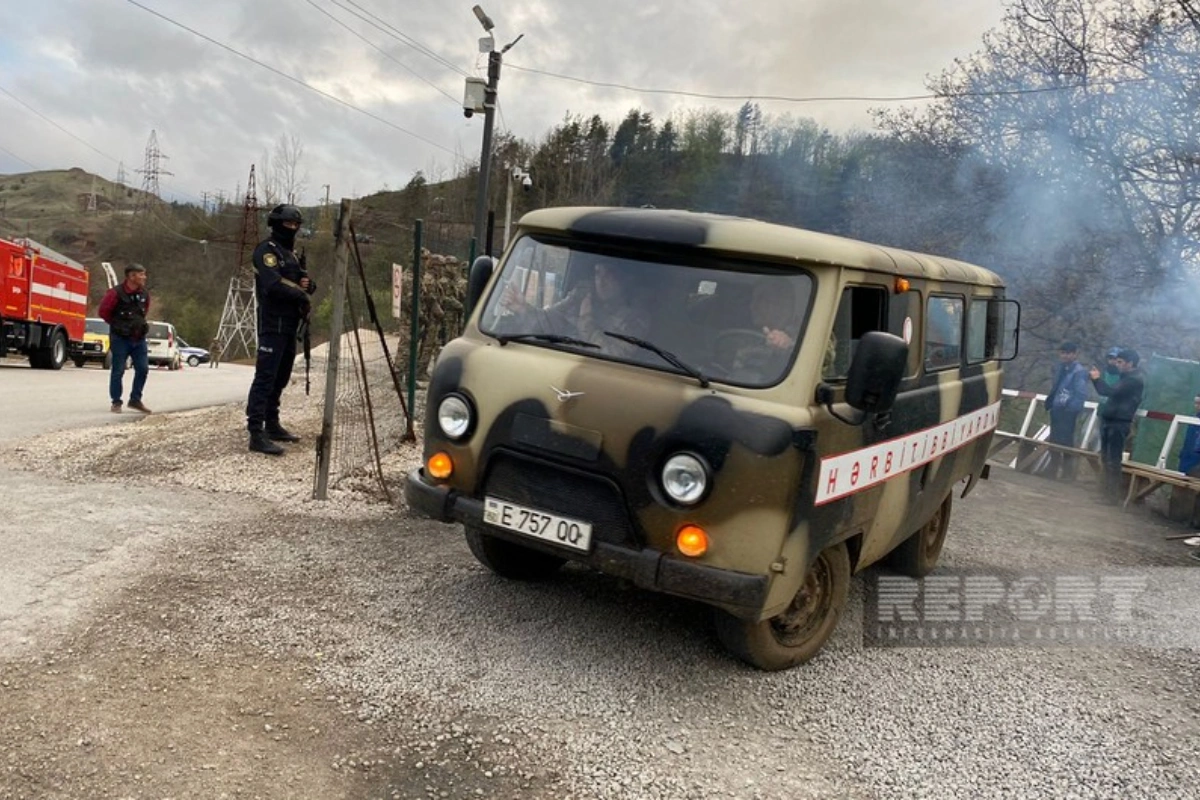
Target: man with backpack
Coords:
[[124, 308]]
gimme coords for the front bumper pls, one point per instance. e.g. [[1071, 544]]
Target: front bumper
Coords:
[[739, 593]]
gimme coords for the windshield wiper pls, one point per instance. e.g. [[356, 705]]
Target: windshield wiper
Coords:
[[670, 358], [552, 338]]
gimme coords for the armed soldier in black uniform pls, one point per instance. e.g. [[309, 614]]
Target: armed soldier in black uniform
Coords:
[[283, 288]]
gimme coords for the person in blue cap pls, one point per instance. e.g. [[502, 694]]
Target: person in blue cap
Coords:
[[1116, 418], [1189, 453]]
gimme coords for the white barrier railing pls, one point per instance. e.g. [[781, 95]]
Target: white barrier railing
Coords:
[[1091, 426]]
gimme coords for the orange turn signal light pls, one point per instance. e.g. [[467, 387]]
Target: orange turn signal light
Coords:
[[901, 285], [439, 466], [692, 541]]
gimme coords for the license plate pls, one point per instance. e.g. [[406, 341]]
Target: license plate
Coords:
[[552, 528]]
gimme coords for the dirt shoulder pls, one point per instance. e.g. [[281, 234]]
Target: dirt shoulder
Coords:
[[139, 659], [258, 644]]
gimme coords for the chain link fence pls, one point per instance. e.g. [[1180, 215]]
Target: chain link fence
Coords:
[[366, 364]]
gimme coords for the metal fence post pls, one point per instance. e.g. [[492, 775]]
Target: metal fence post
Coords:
[[415, 317], [336, 323]]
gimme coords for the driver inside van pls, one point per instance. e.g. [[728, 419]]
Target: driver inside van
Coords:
[[773, 313], [607, 302]]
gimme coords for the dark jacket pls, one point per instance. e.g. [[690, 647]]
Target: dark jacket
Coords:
[[1124, 396], [125, 312], [281, 301]]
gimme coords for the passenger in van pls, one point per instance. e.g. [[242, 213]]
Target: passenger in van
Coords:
[[608, 302]]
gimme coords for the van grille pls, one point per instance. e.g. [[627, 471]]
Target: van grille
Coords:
[[550, 487]]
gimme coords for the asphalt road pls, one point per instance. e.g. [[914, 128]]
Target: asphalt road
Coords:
[[40, 401], [59, 554]]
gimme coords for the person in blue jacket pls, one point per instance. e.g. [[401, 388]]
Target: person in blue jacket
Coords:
[[1068, 393], [1189, 454]]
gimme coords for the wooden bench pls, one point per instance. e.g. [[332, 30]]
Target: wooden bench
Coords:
[[1145, 479], [1033, 449]]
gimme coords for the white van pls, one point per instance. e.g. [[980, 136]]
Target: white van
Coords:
[[162, 345]]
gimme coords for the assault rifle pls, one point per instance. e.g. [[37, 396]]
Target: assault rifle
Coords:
[[304, 332]]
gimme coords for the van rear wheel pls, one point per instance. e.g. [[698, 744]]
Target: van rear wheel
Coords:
[[801, 630], [509, 560], [918, 555]]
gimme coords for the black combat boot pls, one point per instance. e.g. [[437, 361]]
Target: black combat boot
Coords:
[[260, 443], [278, 433]]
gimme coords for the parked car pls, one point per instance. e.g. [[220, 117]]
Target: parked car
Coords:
[[162, 345], [194, 356], [95, 345]]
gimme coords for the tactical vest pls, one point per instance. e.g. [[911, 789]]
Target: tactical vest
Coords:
[[129, 315]]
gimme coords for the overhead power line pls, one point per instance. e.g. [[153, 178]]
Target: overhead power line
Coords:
[[399, 35], [385, 53], [18, 158], [55, 124], [291, 78], [825, 98]]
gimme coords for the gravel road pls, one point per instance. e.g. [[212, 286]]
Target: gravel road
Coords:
[[249, 642]]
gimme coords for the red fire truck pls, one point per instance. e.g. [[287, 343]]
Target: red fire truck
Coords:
[[43, 303]]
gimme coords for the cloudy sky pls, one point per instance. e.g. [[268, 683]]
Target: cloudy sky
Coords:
[[83, 82]]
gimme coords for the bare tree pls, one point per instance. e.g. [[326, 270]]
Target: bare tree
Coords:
[[288, 177]]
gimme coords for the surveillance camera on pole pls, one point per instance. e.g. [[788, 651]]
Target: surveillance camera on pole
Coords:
[[527, 183], [474, 97], [486, 105]]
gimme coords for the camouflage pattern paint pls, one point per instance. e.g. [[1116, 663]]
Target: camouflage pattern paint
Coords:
[[620, 422]]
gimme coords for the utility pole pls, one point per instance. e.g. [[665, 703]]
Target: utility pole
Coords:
[[325, 208], [238, 329], [489, 116]]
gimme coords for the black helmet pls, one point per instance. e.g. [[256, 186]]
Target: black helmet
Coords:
[[282, 214]]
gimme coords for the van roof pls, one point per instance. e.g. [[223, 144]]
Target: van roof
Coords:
[[725, 234]]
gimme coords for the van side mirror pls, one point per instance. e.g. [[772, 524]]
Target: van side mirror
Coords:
[[477, 280], [876, 371]]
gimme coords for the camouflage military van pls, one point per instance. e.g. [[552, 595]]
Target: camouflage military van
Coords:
[[722, 409]]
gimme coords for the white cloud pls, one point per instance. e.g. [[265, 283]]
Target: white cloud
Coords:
[[109, 72]]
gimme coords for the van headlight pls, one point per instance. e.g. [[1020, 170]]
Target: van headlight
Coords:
[[685, 478], [454, 416]]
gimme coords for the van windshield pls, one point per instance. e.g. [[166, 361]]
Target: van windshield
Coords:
[[97, 326], [158, 330], [731, 321]]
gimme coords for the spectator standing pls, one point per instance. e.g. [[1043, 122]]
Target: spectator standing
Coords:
[[1068, 393], [1189, 453], [124, 308], [1116, 417]]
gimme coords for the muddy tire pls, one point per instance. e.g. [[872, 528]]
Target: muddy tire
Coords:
[[509, 560], [917, 556], [797, 634]]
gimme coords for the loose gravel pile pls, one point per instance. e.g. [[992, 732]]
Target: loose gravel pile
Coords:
[[582, 687]]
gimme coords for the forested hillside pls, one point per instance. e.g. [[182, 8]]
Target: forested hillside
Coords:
[[1064, 155]]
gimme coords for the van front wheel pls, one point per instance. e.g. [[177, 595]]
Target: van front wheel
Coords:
[[917, 556], [799, 632], [509, 560]]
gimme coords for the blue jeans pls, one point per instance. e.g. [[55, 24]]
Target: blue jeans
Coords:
[[123, 348], [1062, 431]]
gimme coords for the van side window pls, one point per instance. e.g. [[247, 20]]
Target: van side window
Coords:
[[943, 332], [862, 309]]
